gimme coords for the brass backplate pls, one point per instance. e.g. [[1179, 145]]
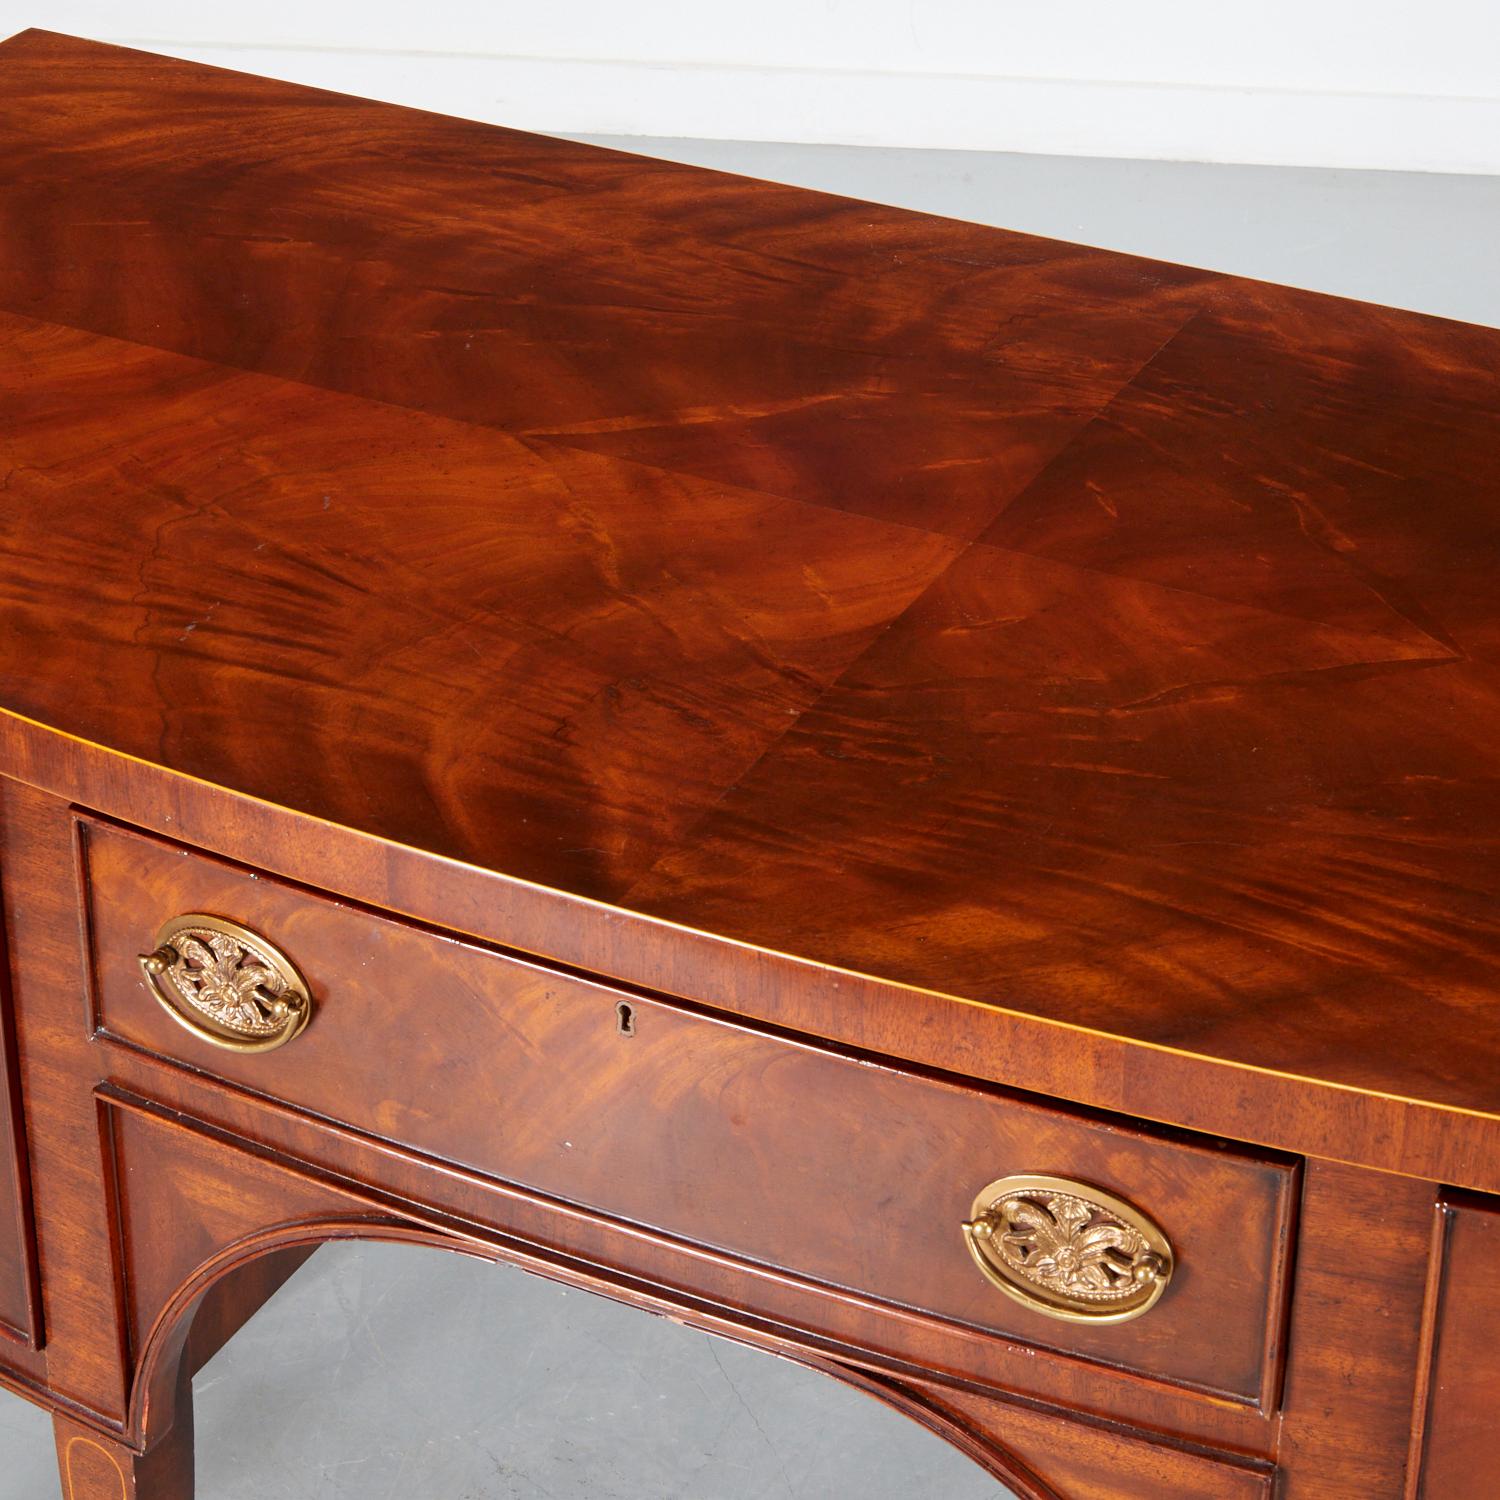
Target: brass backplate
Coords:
[[227, 985], [1067, 1249]]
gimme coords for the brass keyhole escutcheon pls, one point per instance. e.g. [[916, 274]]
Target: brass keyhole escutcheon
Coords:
[[1068, 1250], [227, 985]]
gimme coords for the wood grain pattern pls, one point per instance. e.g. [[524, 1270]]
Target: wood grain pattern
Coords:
[[94, 1466], [628, 1260], [1453, 1453], [91, 1340], [1356, 1336], [1353, 1358], [989, 583], [59, 1064], [942, 677], [853, 1175], [169, 1168], [988, 1042], [1076, 1461]]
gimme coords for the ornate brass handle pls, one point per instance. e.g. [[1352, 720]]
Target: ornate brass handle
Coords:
[[226, 984], [1068, 1250]]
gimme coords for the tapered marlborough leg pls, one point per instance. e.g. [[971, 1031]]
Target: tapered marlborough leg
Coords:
[[94, 1467]]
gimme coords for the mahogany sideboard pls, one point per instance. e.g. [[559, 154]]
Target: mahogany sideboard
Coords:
[[919, 797]]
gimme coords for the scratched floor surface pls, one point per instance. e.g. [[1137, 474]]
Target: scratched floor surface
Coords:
[[382, 1372]]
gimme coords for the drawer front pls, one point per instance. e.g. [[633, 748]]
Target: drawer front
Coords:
[[849, 1173], [1458, 1453]]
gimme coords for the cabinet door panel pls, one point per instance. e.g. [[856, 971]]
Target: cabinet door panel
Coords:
[[1459, 1457], [19, 1320]]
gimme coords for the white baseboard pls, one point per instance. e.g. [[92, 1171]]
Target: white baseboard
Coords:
[[1073, 117]]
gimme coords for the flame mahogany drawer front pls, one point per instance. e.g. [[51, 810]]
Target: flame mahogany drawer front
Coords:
[[775, 1150]]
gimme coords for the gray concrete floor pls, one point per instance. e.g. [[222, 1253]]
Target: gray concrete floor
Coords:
[[388, 1373]]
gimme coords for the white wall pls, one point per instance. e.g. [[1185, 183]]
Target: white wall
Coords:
[[1356, 83]]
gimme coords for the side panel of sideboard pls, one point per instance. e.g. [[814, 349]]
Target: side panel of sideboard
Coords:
[[20, 1303], [1454, 1445]]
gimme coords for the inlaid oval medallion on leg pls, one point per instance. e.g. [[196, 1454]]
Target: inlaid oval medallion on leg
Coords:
[[94, 1467]]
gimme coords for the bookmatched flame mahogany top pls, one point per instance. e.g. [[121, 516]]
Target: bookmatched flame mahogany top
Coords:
[[1097, 639]]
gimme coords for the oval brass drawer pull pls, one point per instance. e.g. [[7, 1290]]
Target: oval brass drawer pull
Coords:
[[1068, 1250], [226, 984]]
